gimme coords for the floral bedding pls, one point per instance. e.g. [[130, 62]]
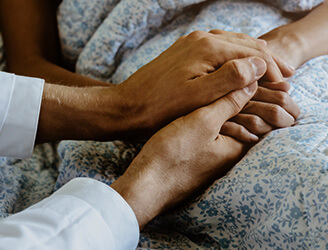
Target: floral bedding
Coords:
[[275, 197]]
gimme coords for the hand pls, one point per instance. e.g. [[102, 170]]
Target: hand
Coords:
[[270, 108], [186, 155], [189, 75]]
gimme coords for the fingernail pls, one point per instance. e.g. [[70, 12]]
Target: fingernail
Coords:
[[263, 41], [253, 138], [250, 89], [259, 66]]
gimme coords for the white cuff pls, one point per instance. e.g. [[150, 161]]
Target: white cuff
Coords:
[[20, 121], [84, 214], [115, 211]]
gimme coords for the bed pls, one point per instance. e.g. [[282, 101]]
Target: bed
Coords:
[[275, 197]]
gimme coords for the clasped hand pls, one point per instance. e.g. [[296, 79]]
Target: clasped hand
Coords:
[[198, 75], [197, 70]]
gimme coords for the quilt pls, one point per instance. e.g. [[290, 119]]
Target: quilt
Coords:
[[275, 197]]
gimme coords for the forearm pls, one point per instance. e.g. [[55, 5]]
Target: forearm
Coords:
[[302, 40], [90, 113], [52, 73], [31, 42], [314, 30]]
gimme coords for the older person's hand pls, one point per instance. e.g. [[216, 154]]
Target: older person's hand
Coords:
[[270, 108], [186, 155]]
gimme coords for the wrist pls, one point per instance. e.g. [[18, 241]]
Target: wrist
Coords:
[[117, 115], [288, 44], [142, 190], [297, 43]]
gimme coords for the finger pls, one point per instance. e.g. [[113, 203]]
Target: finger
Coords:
[[241, 50], [232, 150], [226, 107], [238, 132], [272, 114], [283, 86], [277, 67], [239, 39], [235, 74], [279, 98], [252, 123], [286, 69]]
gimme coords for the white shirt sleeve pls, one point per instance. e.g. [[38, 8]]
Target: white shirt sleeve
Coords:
[[83, 214], [20, 101]]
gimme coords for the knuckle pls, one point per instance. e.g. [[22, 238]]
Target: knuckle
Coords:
[[240, 130], [282, 98], [217, 31], [243, 36], [255, 124], [239, 74], [261, 47], [276, 114], [261, 43], [195, 35], [234, 104], [207, 42]]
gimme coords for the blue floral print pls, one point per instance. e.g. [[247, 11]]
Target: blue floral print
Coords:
[[274, 198]]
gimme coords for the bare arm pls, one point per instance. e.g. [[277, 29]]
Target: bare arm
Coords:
[[148, 100], [31, 42], [32, 47], [296, 43], [302, 40]]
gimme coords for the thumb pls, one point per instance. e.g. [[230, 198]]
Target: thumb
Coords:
[[230, 105], [234, 74]]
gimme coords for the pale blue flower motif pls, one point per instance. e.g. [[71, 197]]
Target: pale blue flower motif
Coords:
[[275, 227], [246, 210], [277, 182], [322, 197], [205, 204], [258, 188], [224, 243], [229, 218], [295, 212], [212, 212]]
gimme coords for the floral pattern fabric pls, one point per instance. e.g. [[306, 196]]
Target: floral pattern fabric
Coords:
[[274, 198]]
